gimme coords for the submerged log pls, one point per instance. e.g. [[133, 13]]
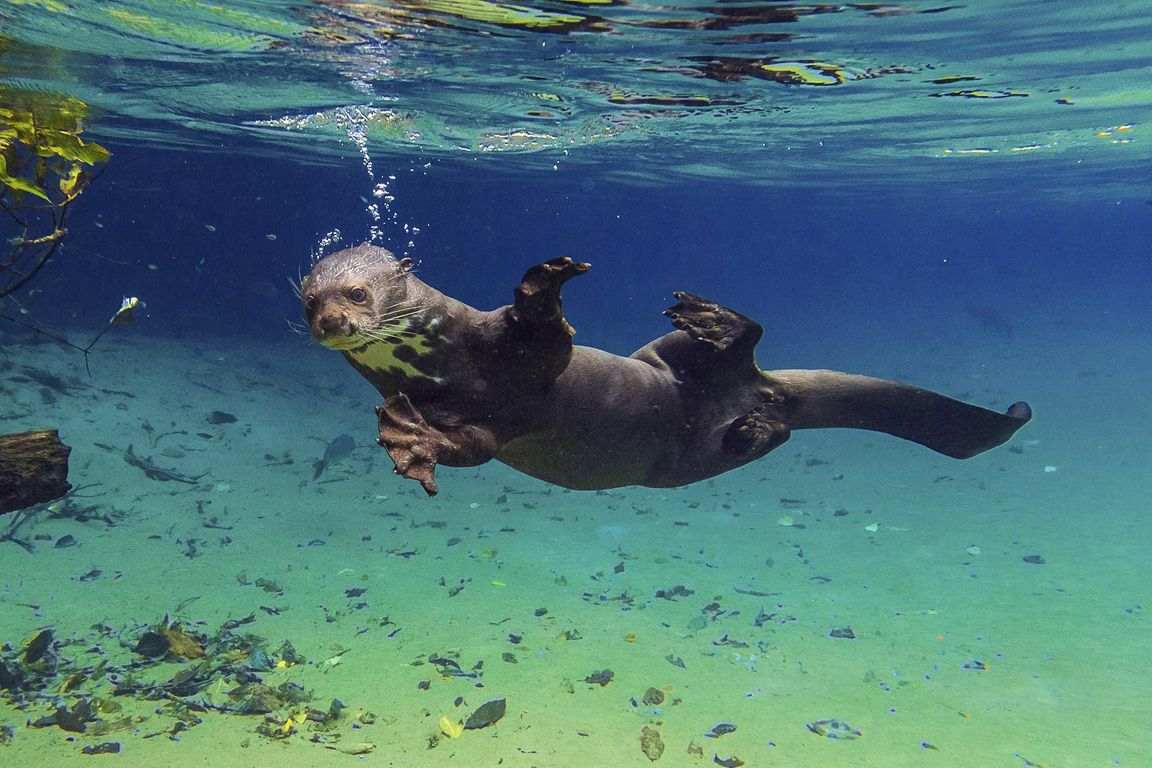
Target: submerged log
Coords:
[[33, 469]]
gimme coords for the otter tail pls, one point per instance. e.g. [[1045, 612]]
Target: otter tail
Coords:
[[824, 399]]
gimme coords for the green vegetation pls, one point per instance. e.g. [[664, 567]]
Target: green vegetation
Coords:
[[44, 167]]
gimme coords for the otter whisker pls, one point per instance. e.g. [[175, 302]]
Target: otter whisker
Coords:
[[396, 319], [398, 310], [396, 327], [387, 335], [406, 304]]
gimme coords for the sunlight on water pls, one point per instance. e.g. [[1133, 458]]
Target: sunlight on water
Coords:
[[643, 91]]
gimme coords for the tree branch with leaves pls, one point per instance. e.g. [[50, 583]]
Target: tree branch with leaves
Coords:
[[44, 167]]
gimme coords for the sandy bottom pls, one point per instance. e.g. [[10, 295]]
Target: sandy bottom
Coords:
[[720, 597]]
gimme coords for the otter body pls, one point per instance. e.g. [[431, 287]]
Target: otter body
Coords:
[[463, 386]]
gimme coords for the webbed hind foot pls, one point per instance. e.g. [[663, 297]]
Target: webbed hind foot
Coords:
[[755, 434], [713, 324]]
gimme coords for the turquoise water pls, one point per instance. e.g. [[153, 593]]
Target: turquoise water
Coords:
[[950, 196]]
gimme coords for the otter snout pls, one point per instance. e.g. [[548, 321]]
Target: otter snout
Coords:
[[331, 322]]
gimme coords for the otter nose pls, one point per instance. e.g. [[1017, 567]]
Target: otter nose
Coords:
[[332, 322]]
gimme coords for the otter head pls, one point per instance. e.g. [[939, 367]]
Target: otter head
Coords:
[[356, 297]]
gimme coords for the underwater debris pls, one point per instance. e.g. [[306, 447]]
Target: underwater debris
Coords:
[[651, 744], [74, 719], [9, 680], [727, 762], [600, 677], [833, 728], [357, 748], [151, 470], [221, 417], [225, 678], [485, 715], [180, 643], [453, 729], [152, 644], [842, 633], [720, 729], [653, 697], [122, 316], [677, 591], [105, 748], [37, 646], [1034, 559], [268, 585]]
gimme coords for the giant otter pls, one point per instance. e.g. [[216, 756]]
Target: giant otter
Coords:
[[463, 386]]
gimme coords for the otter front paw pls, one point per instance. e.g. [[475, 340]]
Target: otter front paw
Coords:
[[538, 295], [413, 444]]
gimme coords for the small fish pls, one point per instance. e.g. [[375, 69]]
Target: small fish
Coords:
[[337, 450]]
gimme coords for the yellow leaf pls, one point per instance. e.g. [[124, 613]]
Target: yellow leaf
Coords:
[[68, 182], [451, 728], [23, 185]]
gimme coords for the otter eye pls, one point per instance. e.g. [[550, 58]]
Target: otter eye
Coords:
[[310, 303], [358, 295]]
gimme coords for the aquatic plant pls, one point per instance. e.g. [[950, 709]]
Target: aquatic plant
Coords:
[[44, 167]]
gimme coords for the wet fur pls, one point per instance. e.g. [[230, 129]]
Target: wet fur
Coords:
[[463, 386]]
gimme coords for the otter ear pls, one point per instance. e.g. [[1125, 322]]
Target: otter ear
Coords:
[[404, 266]]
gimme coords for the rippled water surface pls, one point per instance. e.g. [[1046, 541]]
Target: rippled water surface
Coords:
[[1054, 93]]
